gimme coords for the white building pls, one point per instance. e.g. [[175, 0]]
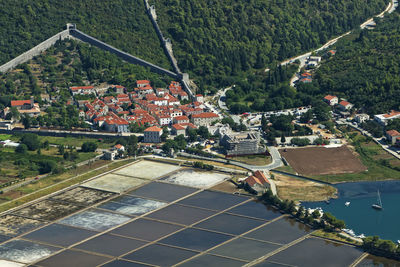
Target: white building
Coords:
[[153, 135], [360, 118], [384, 118]]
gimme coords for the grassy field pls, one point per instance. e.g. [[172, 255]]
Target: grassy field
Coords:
[[302, 190], [256, 160], [55, 183], [287, 169], [381, 165]]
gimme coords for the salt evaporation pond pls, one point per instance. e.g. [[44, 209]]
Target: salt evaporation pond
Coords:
[[196, 179], [95, 220], [25, 251], [132, 205]]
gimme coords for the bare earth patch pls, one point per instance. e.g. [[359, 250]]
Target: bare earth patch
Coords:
[[302, 190], [322, 161]]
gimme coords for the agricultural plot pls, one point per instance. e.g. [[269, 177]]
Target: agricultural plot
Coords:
[[322, 161]]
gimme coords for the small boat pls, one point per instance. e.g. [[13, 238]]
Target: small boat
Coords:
[[327, 201], [378, 205], [347, 204]]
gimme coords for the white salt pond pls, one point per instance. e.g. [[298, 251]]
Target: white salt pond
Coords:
[[113, 183], [4, 263], [24, 251], [148, 169], [196, 179], [95, 220]]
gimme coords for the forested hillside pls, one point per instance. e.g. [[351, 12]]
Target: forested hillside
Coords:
[[366, 68], [122, 23], [215, 40]]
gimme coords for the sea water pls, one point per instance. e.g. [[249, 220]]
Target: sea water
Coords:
[[359, 215]]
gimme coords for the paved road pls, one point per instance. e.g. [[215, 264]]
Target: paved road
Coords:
[[276, 161], [222, 98]]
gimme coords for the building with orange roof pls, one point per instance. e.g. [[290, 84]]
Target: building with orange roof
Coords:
[[142, 83], [392, 136], [383, 119], [181, 119], [258, 182], [345, 106], [331, 100], [204, 119], [152, 134]]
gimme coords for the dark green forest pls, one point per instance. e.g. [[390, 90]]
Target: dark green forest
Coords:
[[216, 40], [366, 68], [121, 23]]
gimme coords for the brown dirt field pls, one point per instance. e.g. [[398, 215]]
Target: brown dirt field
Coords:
[[302, 190], [322, 161]]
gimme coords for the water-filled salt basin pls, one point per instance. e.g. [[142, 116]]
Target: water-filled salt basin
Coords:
[[148, 169], [132, 205], [71, 258], [160, 255], [59, 235], [314, 251], [162, 191], [245, 249], [212, 260], [197, 179], [95, 220], [111, 245], [25, 251]]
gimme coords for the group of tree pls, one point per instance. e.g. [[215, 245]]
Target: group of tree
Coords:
[[201, 165], [282, 126], [25, 24], [379, 247], [365, 69], [327, 221], [237, 127], [216, 41]]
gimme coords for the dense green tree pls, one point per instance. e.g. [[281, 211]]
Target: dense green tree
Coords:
[[31, 141], [89, 147]]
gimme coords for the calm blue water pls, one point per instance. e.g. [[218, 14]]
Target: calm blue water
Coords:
[[359, 215]]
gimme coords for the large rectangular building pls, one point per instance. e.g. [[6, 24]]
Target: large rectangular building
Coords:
[[243, 143]]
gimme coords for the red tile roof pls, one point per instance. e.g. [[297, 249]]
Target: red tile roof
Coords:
[[344, 103], [329, 97], [181, 118], [393, 133], [178, 127], [205, 115], [392, 113], [153, 129], [20, 102], [142, 82]]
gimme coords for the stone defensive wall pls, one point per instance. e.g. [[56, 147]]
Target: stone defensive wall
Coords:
[[37, 50], [125, 56]]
